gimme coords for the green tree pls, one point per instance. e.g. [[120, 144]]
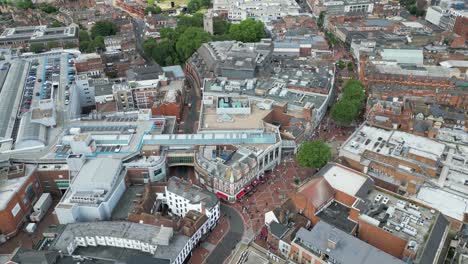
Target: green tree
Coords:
[[25, 4], [49, 9], [103, 28], [57, 23], [248, 30], [98, 43], [168, 33], [313, 154], [344, 112], [350, 66], [69, 45], [190, 41], [162, 51], [354, 91], [193, 6], [36, 47], [190, 21], [341, 64], [220, 27], [83, 35], [150, 2], [321, 19], [153, 9], [52, 45]]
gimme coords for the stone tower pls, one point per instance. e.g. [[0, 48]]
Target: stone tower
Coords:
[[208, 21]]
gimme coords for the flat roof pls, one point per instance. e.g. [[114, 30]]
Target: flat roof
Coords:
[[97, 174], [211, 138], [127, 230], [349, 249], [211, 120], [446, 202], [346, 180], [12, 186], [191, 192], [10, 96], [386, 142]]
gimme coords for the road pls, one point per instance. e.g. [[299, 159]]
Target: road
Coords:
[[230, 240], [139, 29], [192, 114]]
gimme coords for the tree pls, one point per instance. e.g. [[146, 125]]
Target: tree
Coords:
[[83, 35], [350, 66], [36, 47], [163, 51], [52, 45], [220, 27], [248, 30], [321, 19], [57, 23], [344, 112], [354, 91], [25, 4], [313, 154], [49, 9], [190, 21], [193, 6], [341, 64], [190, 41], [154, 9], [69, 45], [168, 33], [150, 2], [103, 28], [348, 108]]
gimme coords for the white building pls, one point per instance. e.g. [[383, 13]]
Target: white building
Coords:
[[265, 11], [182, 196], [93, 192]]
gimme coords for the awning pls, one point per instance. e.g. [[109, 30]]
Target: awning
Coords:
[[240, 194], [221, 195], [255, 182]]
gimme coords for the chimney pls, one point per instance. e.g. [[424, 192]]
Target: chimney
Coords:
[[332, 241]]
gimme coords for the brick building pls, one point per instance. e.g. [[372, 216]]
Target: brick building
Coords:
[[19, 190]]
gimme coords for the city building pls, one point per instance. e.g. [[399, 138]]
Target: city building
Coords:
[[93, 192], [182, 197], [346, 203], [19, 190], [21, 36], [238, 10], [155, 244], [326, 243]]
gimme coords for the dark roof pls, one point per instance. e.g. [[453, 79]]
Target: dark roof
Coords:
[[278, 230], [365, 189], [436, 238], [26, 256], [144, 73], [336, 214], [146, 260]]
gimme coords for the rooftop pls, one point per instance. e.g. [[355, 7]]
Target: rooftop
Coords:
[[9, 187], [347, 249], [126, 230], [337, 214], [399, 217], [97, 174], [392, 143], [347, 180], [191, 192]]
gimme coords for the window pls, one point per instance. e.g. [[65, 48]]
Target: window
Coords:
[[25, 200], [30, 192], [46, 184]]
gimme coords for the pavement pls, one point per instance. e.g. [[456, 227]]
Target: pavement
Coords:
[[26, 240], [230, 239], [269, 195]]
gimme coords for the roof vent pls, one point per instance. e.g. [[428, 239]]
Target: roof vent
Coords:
[[332, 241]]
